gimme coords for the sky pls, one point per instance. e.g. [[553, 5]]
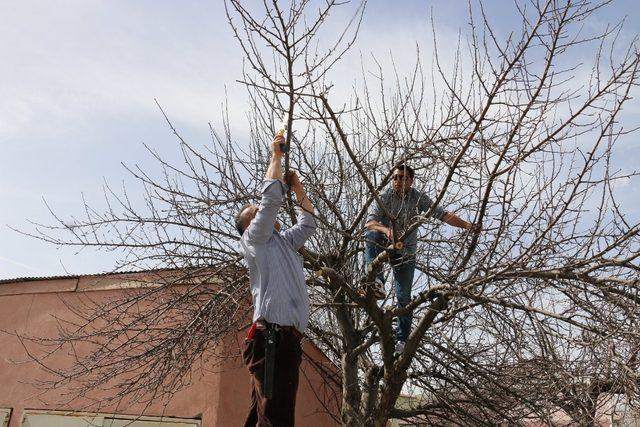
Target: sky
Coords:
[[78, 81]]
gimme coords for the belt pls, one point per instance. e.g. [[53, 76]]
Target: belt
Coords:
[[262, 324]]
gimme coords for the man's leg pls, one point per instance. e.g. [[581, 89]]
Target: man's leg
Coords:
[[403, 271], [252, 418], [375, 242], [280, 409], [253, 356]]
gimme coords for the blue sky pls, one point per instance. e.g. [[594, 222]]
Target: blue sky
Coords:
[[78, 81]]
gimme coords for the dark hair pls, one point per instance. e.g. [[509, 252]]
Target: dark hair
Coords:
[[238, 219], [403, 167]]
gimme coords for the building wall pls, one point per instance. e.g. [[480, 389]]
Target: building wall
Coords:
[[219, 396]]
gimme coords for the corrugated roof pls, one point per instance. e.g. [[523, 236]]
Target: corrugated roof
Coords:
[[77, 276], [33, 278]]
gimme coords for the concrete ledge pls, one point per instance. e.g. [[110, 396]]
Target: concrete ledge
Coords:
[[106, 283]]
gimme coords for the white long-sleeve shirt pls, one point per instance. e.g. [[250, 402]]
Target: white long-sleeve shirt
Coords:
[[275, 268]]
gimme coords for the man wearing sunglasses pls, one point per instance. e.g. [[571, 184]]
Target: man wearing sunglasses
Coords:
[[403, 203]]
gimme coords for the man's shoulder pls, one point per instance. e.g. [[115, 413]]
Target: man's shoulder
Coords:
[[419, 194], [246, 242], [387, 193]]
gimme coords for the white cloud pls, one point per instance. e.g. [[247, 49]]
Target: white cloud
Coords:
[[71, 59], [69, 65]]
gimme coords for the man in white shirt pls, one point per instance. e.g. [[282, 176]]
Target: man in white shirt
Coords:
[[280, 297]]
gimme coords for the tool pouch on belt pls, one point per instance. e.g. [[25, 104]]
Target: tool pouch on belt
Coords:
[[269, 360]]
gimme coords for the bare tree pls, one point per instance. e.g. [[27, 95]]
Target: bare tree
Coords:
[[509, 129]]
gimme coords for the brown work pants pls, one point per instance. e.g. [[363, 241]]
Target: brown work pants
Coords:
[[279, 411]]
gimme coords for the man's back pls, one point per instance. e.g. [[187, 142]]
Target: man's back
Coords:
[[276, 270]]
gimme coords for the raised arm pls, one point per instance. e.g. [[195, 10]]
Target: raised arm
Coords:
[[274, 171], [301, 196], [261, 227], [306, 225]]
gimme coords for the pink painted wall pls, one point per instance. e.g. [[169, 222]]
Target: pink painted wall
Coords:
[[220, 397]]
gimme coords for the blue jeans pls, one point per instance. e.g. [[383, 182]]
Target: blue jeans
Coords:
[[404, 266]]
